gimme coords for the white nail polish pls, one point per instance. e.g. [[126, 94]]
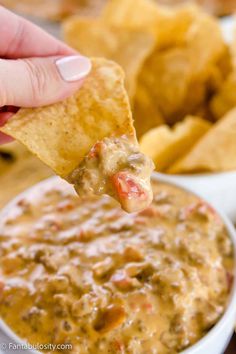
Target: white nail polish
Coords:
[[74, 67]]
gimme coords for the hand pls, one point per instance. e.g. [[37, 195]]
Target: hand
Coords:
[[35, 69]]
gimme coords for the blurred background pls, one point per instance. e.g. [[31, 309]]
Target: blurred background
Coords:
[[57, 9]]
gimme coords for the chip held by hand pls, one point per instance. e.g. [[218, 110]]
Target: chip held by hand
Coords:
[[65, 136]]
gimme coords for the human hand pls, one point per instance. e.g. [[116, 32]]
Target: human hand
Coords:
[[35, 68]]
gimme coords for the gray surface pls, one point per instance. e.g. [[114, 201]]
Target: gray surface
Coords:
[[51, 27]]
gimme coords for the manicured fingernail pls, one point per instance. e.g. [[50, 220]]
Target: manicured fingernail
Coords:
[[74, 67]]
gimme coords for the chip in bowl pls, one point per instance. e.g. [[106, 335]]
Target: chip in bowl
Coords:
[[164, 145], [216, 151], [128, 47]]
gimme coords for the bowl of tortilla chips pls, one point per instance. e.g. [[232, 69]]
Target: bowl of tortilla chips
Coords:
[[181, 80]]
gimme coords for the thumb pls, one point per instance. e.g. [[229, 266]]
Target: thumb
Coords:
[[40, 81]]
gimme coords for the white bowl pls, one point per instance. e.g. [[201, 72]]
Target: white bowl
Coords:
[[217, 188], [214, 342]]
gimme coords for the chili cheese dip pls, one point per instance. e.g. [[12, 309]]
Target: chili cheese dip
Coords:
[[116, 167], [81, 271]]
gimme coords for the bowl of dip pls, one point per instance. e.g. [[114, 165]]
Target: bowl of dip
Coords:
[[83, 273]]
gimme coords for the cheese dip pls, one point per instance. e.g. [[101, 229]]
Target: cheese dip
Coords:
[[84, 272], [115, 166]]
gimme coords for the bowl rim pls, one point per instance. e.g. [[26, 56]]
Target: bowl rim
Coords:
[[220, 174], [231, 306]]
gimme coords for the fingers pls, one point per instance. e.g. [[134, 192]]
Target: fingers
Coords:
[[41, 81], [21, 38], [4, 139], [4, 116]]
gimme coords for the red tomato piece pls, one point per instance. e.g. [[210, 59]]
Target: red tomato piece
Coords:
[[95, 151], [127, 188]]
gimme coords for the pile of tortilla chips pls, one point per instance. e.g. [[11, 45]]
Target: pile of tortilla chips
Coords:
[[180, 76]]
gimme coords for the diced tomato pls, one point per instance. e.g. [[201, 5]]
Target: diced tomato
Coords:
[[126, 187], [131, 194], [201, 208], [96, 149]]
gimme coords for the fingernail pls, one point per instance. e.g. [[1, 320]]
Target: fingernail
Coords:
[[74, 67]]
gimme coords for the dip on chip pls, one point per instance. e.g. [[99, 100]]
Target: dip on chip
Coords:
[[91, 123]]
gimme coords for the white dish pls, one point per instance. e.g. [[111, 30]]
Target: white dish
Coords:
[[213, 343], [217, 188]]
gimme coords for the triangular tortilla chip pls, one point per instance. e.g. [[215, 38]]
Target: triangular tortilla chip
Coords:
[[216, 151], [63, 133], [127, 47], [164, 145]]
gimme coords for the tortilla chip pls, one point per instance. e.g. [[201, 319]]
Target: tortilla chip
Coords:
[[205, 43], [167, 80], [146, 112], [168, 25], [225, 99], [216, 151], [176, 79], [164, 145], [134, 13], [63, 133], [129, 48]]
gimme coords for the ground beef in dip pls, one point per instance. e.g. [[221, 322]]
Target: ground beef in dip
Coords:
[[84, 272], [116, 167]]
